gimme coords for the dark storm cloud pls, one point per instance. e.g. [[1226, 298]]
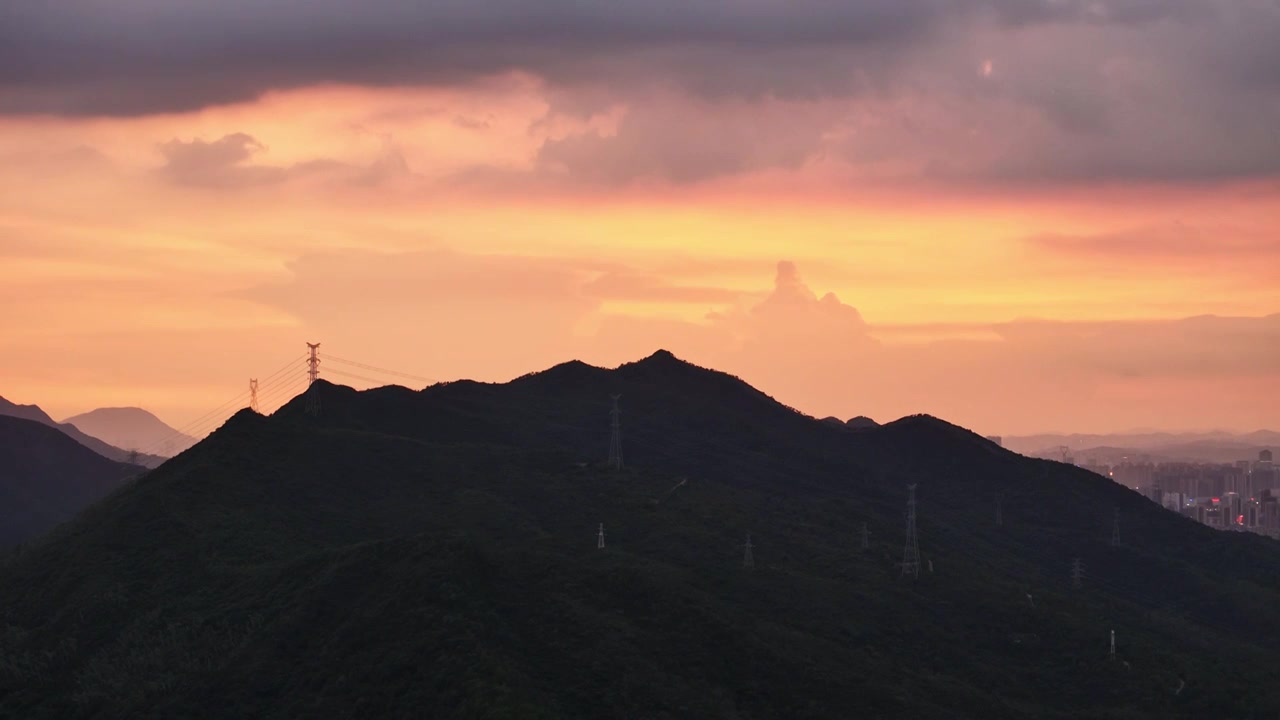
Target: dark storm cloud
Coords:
[[135, 57]]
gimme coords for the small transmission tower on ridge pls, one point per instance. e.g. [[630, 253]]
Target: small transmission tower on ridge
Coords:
[[600, 538], [1113, 644], [748, 560], [253, 394], [911, 552], [615, 438], [1077, 573], [1115, 529], [313, 374]]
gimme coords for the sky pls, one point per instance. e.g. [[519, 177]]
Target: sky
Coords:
[[1018, 215]]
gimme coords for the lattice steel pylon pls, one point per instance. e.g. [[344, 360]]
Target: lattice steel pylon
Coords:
[[253, 394], [911, 552], [748, 560], [313, 374], [600, 538], [615, 438], [313, 363], [1077, 573]]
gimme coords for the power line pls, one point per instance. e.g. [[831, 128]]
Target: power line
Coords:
[[204, 419], [344, 373], [290, 389], [375, 368]]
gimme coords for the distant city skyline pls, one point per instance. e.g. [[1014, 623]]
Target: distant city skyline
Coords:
[[874, 207]]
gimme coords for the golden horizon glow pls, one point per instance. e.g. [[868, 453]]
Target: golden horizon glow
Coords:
[[152, 261]]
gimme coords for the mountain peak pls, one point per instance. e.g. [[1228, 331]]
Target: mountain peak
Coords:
[[26, 412], [131, 427], [663, 361], [661, 355]]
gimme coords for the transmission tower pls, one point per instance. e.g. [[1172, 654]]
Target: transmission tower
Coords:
[[748, 560], [313, 363], [253, 394], [999, 509], [615, 439], [600, 538], [866, 537], [1077, 573], [1115, 529], [911, 552], [1113, 644], [313, 374]]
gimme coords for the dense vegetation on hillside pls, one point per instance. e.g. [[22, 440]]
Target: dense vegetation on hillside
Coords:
[[433, 553], [47, 477]]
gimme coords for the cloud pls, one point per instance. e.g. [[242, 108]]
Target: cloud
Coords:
[[668, 139], [817, 353], [1168, 91], [1174, 243], [1198, 347], [185, 55], [222, 162], [629, 285], [226, 163]]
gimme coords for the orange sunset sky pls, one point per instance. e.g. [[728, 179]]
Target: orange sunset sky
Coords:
[[1019, 216]]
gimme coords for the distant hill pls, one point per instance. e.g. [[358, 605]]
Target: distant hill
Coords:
[[46, 478], [111, 452], [434, 553], [1141, 441], [1212, 447], [131, 427], [1197, 452]]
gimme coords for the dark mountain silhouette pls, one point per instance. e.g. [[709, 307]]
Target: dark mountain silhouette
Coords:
[[861, 422], [131, 427], [402, 553], [111, 452], [46, 478]]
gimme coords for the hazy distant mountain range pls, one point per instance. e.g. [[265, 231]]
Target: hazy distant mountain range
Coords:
[[131, 427], [46, 478], [93, 442], [1218, 447]]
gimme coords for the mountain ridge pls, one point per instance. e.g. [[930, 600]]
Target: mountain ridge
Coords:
[[130, 428], [101, 447], [392, 550], [47, 477]]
